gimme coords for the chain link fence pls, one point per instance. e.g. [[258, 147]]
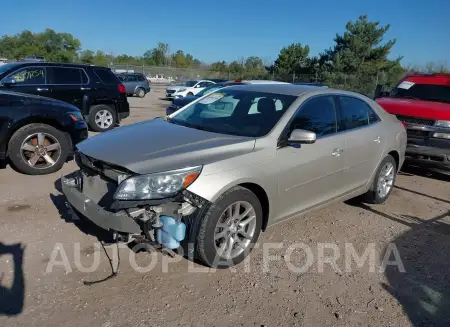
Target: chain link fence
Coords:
[[364, 83]]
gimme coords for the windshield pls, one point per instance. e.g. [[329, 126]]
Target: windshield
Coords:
[[209, 89], [235, 112], [190, 83], [424, 92]]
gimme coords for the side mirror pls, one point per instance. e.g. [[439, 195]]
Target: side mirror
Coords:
[[8, 81], [300, 136]]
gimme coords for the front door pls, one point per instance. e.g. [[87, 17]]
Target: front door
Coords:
[[311, 174], [30, 80], [68, 84], [364, 140]]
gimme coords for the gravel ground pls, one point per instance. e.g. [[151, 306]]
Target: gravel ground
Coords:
[[35, 228]]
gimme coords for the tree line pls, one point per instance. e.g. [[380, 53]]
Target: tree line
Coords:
[[357, 60]]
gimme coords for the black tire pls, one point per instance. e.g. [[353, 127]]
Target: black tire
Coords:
[[140, 92], [18, 159], [190, 94], [205, 243], [93, 112], [372, 195]]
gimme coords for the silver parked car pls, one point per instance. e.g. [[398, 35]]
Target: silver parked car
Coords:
[[234, 162]]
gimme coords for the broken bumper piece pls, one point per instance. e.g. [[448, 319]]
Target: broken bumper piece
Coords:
[[119, 222]]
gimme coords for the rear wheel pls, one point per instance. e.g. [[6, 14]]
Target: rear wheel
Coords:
[[229, 228], [38, 149], [140, 92], [383, 182], [190, 94], [102, 118]]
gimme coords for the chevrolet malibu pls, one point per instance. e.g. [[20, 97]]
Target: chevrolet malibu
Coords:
[[234, 162]]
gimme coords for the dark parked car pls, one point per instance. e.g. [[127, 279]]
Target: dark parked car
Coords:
[[181, 102], [96, 91], [38, 134], [135, 84]]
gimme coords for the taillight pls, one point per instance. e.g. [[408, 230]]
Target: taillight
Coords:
[[121, 88]]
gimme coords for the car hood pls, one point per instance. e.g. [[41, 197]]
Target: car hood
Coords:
[[158, 145], [184, 101], [175, 87], [29, 99], [416, 108]]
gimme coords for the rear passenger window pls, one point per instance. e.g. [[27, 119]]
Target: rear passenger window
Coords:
[[106, 76], [131, 78], [354, 113], [67, 76], [141, 78], [317, 115], [373, 117]]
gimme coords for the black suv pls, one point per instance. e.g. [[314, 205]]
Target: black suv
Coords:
[[96, 91]]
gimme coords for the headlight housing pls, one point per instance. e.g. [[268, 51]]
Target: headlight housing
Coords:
[[156, 186], [443, 123]]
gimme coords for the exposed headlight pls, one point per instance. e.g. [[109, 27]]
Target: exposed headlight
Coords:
[[181, 90], [157, 186], [443, 123]]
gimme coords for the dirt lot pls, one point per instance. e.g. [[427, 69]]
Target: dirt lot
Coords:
[[416, 219]]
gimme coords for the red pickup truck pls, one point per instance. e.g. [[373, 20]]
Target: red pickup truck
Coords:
[[422, 103]]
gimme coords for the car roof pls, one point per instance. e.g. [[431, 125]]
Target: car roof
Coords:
[[46, 63], [291, 89]]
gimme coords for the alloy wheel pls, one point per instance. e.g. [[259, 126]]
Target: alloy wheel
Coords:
[[40, 150], [103, 119], [235, 230], [386, 180]]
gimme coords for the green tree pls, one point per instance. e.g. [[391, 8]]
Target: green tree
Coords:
[[87, 57], [53, 46], [292, 59], [219, 66], [359, 57]]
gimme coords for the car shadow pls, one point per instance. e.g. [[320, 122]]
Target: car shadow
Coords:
[[409, 170], [423, 288], [12, 298]]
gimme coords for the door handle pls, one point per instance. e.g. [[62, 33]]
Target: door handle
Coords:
[[337, 152], [42, 89], [377, 140], [85, 88]]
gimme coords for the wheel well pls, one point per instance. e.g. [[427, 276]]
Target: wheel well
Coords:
[[396, 157], [263, 199], [35, 120]]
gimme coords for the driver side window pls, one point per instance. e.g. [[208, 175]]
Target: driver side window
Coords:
[[316, 115]]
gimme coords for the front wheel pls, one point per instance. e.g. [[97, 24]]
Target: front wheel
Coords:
[[102, 118], [190, 94], [229, 228], [38, 149], [384, 181]]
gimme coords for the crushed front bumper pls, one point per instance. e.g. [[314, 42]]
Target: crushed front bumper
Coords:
[[120, 221]]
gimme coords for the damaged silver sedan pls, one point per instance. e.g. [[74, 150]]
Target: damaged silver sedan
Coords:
[[222, 169]]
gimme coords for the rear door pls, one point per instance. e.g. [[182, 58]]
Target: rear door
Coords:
[[68, 84], [130, 83], [364, 140], [30, 80]]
